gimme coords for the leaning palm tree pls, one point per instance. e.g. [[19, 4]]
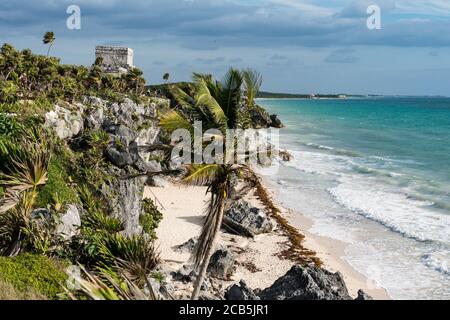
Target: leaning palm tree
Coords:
[[49, 38], [216, 105]]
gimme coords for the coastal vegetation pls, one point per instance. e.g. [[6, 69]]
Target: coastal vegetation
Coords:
[[72, 173]]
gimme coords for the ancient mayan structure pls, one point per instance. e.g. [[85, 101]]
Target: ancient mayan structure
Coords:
[[115, 59]]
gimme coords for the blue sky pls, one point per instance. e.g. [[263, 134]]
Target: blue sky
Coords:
[[298, 45]]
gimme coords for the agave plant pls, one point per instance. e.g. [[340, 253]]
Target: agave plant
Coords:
[[108, 285], [136, 255], [24, 168], [216, 105]]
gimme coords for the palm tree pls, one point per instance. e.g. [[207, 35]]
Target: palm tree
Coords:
[[166, 77], [49, 38], [252, 84], [216, 104]]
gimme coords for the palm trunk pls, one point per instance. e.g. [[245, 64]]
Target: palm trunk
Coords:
[[204, 267], [48, 51]]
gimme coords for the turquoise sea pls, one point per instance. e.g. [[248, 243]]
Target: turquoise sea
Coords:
[[374, 173]]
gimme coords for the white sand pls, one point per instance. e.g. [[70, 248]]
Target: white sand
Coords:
[[183, 209]]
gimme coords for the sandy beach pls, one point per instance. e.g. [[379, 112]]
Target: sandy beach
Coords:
[[257, 260]]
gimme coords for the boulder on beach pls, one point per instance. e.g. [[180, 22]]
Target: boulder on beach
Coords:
[[240, 292], [307, 283], [222, 264], [245, 220]]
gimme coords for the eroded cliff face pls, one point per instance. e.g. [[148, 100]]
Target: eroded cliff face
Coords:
[[128, 126]]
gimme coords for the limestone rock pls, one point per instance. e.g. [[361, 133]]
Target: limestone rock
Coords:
[[65, 124], [125, 196], [186, 274], [222, 264], [245, 220], [69, 223], [307, 283], [275, 121], [363, 296], [240, 292], [188, 246]]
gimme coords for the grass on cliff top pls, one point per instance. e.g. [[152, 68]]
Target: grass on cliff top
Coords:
[[29, 276]]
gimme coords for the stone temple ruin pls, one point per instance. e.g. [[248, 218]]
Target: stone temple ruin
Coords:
[[115, 59]]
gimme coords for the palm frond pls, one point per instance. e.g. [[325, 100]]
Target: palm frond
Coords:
[[252, 84], [184, 99], [173, 120], [202, 174], [230, 96], [204, 98]]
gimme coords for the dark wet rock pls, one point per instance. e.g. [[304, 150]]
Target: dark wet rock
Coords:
[[307, 283], [260, 118], [285, 155], [240, 292], [119, 157], [275, 121], [363, 296], [245, 220], [41, 213], [186, 274], [222, 264]]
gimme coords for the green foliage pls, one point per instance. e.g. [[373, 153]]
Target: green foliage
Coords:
[[42, 274], [9, 126], [58, 189], [8, 91], [40, 235], [105, 284], [151, 217], [27, 76], [136, 255]]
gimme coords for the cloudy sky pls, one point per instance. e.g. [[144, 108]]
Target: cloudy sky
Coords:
[[299, 45]]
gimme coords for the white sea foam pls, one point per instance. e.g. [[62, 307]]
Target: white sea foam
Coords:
[[392, 208], [438, 261]]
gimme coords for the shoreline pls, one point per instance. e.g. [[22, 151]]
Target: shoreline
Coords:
[[257, 260], [330, 251]]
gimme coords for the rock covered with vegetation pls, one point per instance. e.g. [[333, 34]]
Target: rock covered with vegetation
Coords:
[[77, 148], [71, 173]]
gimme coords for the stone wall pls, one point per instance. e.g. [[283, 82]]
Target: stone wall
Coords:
[[115, 57]]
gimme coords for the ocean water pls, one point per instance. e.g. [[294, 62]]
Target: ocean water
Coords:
[[374, 173]]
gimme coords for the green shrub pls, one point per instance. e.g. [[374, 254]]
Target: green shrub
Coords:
[[39, 273], [151, 217], [9, 126], [57, 190], [136, 255]]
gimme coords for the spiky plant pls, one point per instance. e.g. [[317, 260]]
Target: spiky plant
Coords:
[[22, 171], [136, 255], [216, 105], [107, 285]]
